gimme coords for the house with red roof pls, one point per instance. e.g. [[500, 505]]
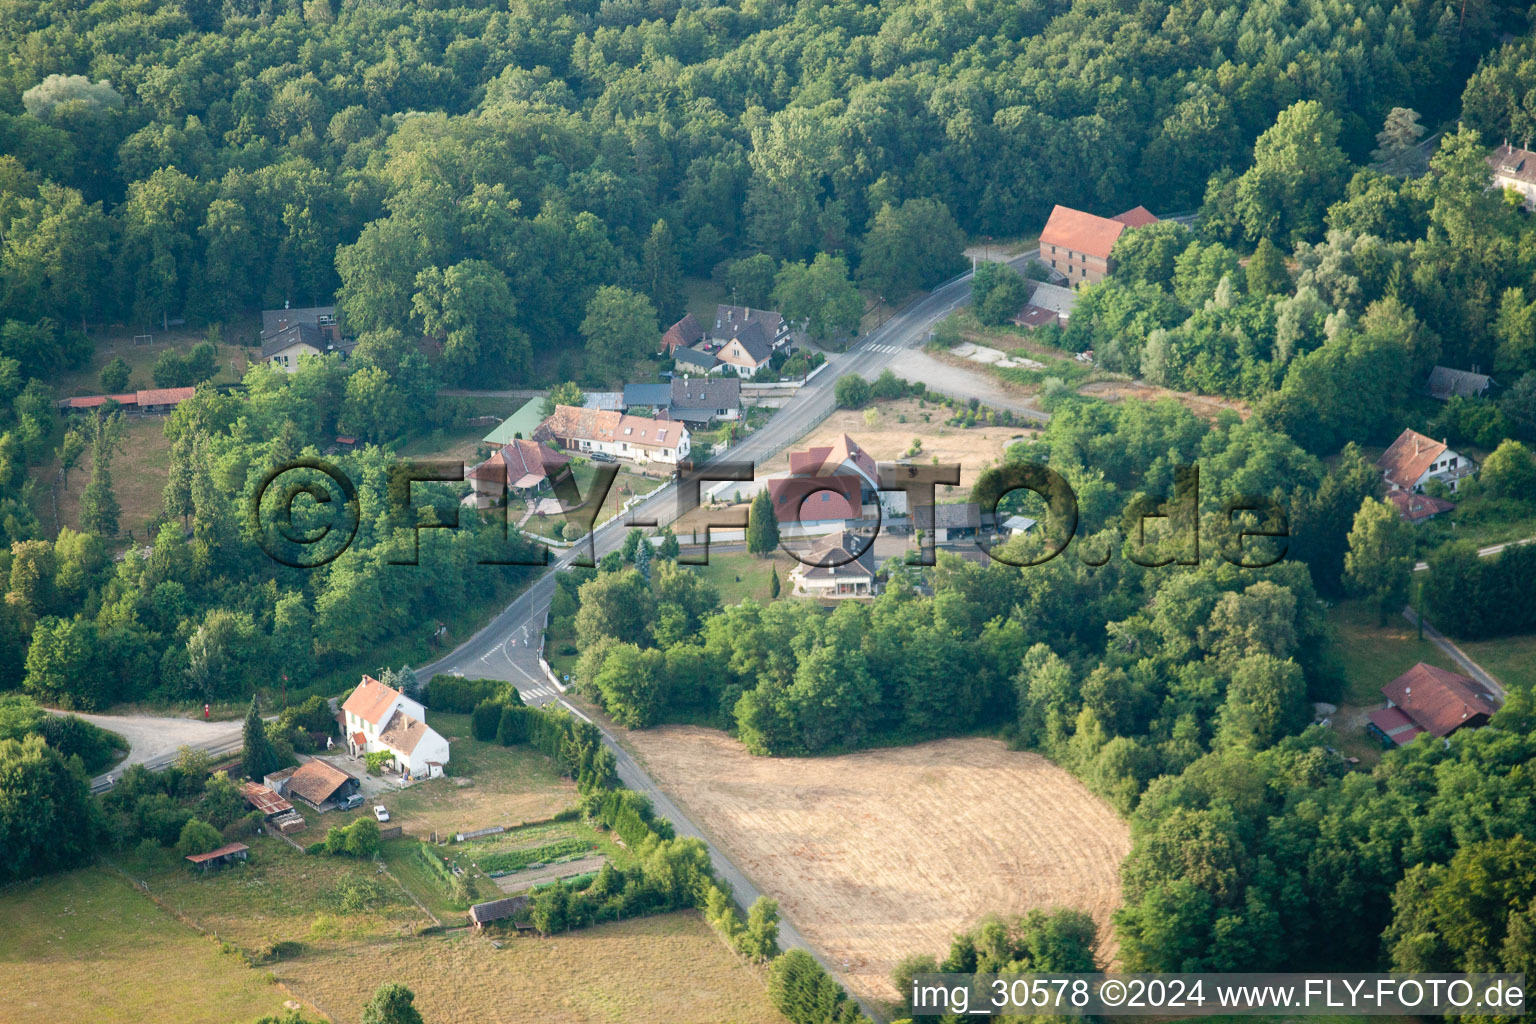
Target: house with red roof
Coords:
[[1413, 460], [607, 431], [519, 468], [1430, 700], [1077, 244], [831, 484], [379, 717]]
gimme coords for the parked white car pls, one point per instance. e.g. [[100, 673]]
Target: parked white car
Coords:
[[380, 813]]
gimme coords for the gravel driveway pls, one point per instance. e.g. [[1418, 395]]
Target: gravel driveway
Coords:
[[153, 741]]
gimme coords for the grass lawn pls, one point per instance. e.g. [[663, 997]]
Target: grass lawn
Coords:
[[738, 575], [86, 947], [139, 473], [1511, 659], [703, 294], [1369, 656], [281, 894], [490, 785], [233, 360], [670, 968], [421, 881]]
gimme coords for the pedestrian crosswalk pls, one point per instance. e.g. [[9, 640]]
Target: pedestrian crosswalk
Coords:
[[537, 693], [888, 349]]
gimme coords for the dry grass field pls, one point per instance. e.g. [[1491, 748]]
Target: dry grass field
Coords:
[[671, 968], [85, 948], [139, 473], [1208, 406], [884, 853]]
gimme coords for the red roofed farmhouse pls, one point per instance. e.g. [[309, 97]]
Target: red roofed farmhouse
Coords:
[[1432, 700], [1078, 244], [379, 717], [1413, 460]]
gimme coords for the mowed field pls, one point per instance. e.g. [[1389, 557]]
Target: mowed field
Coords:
[[884, 853], [86, 948], [670, 968]]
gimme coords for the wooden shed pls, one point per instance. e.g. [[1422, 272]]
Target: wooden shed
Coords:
[[223, 856]]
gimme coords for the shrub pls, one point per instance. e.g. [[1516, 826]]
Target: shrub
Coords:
[[851, 391], [461, 696], [485, 719], [512, 726], [197, 836], [359, 839]]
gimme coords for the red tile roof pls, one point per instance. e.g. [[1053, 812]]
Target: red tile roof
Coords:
[[1394, 725], [223, 851], [813, 499], [1081, 232], [825, 460], [92, 401], [317, 780], [1409, 457], [520, 463], [1136, 217], [370, 700], [1418, 507], [683, 334], [1440, 702]]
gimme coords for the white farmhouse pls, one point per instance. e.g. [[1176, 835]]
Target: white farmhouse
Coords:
[[1413, 460], [379, 717]]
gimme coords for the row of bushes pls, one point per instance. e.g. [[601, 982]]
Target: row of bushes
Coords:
[[460, 696], [1474, 597]]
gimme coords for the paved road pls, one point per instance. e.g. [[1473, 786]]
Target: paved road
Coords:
[[507, 648], [1457, 655], [154, 741], [1491, 549]]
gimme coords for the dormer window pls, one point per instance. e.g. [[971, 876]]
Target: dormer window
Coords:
[[628, 431], [661, 435]]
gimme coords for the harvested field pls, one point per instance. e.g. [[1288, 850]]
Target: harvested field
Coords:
[[670, 968], [883, 853]]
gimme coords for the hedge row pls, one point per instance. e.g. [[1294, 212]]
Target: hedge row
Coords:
[[460, 696]]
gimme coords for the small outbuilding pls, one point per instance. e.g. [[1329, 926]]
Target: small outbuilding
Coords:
[[482, 914], [222, 857]]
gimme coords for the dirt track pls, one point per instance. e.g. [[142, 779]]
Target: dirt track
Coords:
[[884, 853]]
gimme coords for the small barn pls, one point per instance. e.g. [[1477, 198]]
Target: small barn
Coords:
[[222, 857], [482, 914]]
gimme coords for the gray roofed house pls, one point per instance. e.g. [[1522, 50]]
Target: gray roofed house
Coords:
[[948, 522], [1445, 383], [693, 359], [652, 396], [284, 347], [613, 401], [1515, 168], [274, 320], [832, 569], [705, 399], [731, 320], [748, 350]]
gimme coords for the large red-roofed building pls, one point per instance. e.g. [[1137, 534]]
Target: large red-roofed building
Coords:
[[1077, 244]]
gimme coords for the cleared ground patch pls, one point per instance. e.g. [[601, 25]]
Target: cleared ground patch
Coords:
[[139, 473], [883, 853], [670, 968], [86, 947]]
